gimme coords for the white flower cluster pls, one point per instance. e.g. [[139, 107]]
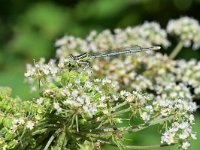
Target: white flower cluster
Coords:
[[156, 73], [135, 96], [85, 98], [180, 130], [150, 33], [149, 109], [81, 101], [141, 103], [69, 43], [189, 73], [22, 121], [41, 71], [173, 91], [187, 29]]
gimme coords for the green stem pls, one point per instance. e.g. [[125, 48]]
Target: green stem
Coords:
[[176, 50], [62, 140], [121, 112], [144, 126], [77, 128], [143, 147], [146, 147], [51, 140], [160, 120], [120, 105]]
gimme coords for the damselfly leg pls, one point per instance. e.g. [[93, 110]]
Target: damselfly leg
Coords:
[[86, 63]]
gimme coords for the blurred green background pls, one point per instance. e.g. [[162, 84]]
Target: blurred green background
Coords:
[[28, 30]]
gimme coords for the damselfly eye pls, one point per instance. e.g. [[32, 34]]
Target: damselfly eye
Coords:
[[115, 128], [69, 65]]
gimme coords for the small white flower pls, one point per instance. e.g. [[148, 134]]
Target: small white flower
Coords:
[[75, 93], [184, 135], [61, 63], [168, 137], [119, 120], [185, 145], [80, 100], [15, 121], [77, 81], [62, 41], [105, 111], [149, 108], [106, 80], [125, 93], [57, 106], [89, 110], [88, 84], [194, 136], [145, 116], [21, 120], [14, 127], [129, 98], [184, 125], [97, 80], [173, 94], [33, 89], [40, 101], [30, 71], [29, 125], [122, 93], [102, 98], [191, 118]]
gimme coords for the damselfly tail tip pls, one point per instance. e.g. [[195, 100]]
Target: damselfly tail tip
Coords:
[[156, 47]]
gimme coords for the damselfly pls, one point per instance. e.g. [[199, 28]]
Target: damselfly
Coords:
[[84, 59]]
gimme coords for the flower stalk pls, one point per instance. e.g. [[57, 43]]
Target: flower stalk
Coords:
[[176, 50]]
